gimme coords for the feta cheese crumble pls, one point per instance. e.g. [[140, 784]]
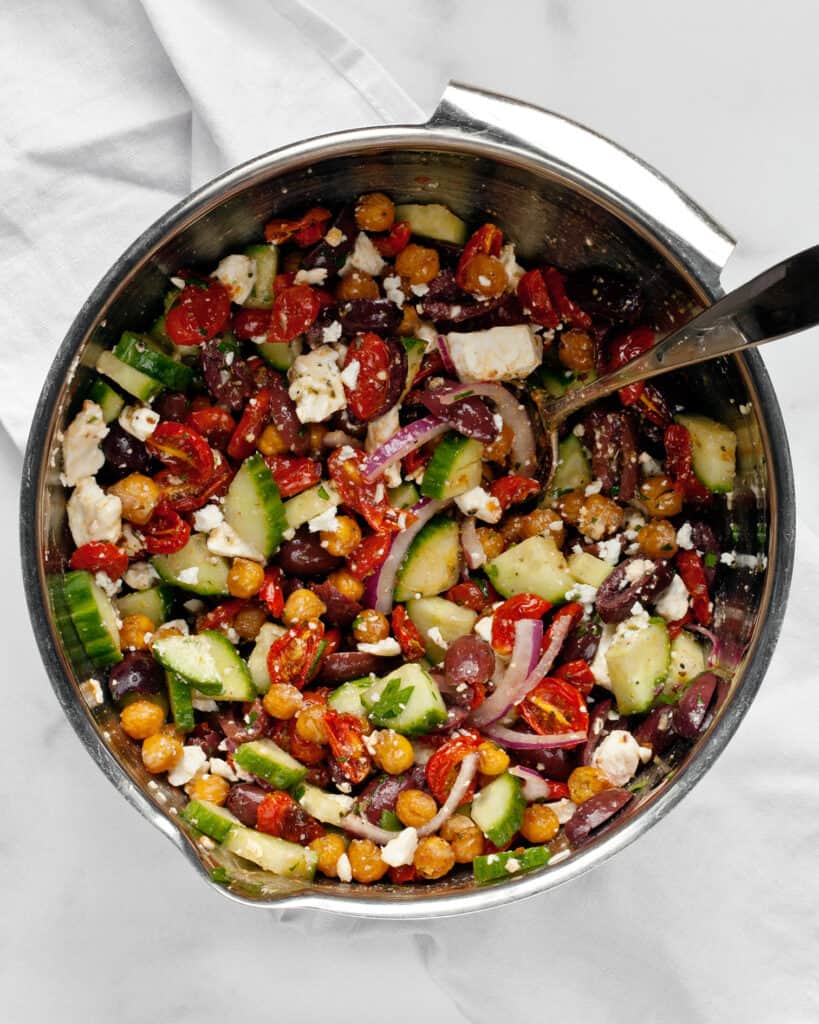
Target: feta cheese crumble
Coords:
[[332, 332], [316, 386], [400, 850], [343, 869], [436, 637], [617, 756], [225, 541], [684, 537], [326, 522], [238, 274], [141, 576], [207, 518], [349, 375], [316, 275], [93, 514], [139, 421], [92, 693], [385, 648], [192, 763], [672, 603], [189, 575], [365, 257], [499, 353], [478, 502], [82, 456]]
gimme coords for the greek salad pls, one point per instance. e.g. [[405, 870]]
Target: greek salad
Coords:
[[327, 582]]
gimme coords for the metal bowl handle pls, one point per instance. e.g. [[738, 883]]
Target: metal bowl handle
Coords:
[[615, 177]]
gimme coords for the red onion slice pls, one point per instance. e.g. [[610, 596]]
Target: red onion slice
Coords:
[[515, 740], [446, 357], [474, 554], [402, 443], [466, 773], [535, 787], [528, 634], [524, 455], [361, 827]]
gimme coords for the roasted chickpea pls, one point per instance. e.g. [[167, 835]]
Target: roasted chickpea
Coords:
[[414, 807], [511, 529], [135, 633], [484, 276], [245, 578], [365, 861], [310, 724], [658, 539], [282, 700], [394, 752], [417, 263], [540, 824], [301, 606], [501, 446], [161, 751], [464, 836], [357, 285], [599, 517], [374, 212], [329, 848], [585, 782], [544, 522], [491, 759], [315, 433], [433, 858], [575, 351], [271, 442], [570, 505], [342, 540], [370, 626], [249, 621], [142, 719], [491, 541], [347, 584], [165, 630], [660, 497], [139, 495], [410, 321], [209, 787]]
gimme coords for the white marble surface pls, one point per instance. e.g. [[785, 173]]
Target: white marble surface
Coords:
[[711, 916]]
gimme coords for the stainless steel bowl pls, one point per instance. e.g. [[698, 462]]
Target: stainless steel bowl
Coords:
[[555, 188]]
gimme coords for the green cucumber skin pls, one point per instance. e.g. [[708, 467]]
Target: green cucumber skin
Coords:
[[636, 692], [433, 220], [136, 383], [267, 264], [209, 819], [137, 351], [491, 867], [82, 596], [573, 468], [713, 454], [180, 697], [107, 398], [507, 791], [272, 767], [534, 566], [424, 709], [278, 354], [254, 508], [156, 603], [346, 699], [213, 576], [418, 574], [272, 854], [454, 468]]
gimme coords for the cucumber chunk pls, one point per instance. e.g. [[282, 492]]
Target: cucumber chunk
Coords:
[[588, 569], [267, 266], [303, 507], [207, 661], [638, 662], [107, 398], [257, 662], [432, 563], [498, 809], [455, 467], [141, 353], [535, 566], [491, 867], [573, 468], [346, 699], [212, 576], [180, 698], [94, 618], [253, 506], [405, 495], [687, 662], [136, 383], [450, 619], [432, 220], [407, 700], [267, 760], [210, 819], [713, 451], [271, 853], [327, 807], [278, 354], [156, 603], [416, 350]]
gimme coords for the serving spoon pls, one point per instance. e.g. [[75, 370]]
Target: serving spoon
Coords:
[[780, 301]]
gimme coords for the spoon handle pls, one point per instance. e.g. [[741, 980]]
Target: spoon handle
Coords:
[[782, 300]]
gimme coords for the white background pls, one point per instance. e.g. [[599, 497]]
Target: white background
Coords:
[[712, 916]]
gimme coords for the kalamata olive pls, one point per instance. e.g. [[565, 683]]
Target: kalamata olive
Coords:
[[471, 416], [705, 540], [341, 666], [227, 375], [457, 312], [318, 775], [332, 257], [252, 723], [304, 556], [206, 737], [469, 661], [381, 794], [613, 442], [605, 293], [397, 371], [594, 812], [137, 674], [553, 764], [314, 335], [598, 721], [635, 581], [655, 729], [456, 714], [340, 609], [171, 405], [283, 415], [243, 800], [506, 312], [689, 714], [124, 452], [582, 643], [360, 315]]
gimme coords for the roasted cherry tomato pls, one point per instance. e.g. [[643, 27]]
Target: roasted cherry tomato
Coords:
[[403, 874], [183, 450], [569, 312], [304, 750], [573, 612], [676, 627], [280, 815], [271, 591], [431, 364], [347, 745], [278, 231], [416, 460], [487, 241], [692, 571], [679, 463], [512, 490], [222, 616], [249, 428], [251, 323], [214, 423], [475, 594], [166, 531], [407, 634], [534, 297], [521, 606], [100, 556], [442, 767], [398, 238], [653, 406], [291, 657], [199, 313], [622, 350], [578, 674], [186, 496], [366, 400], [293, 474], [294, 310], [555, 707], [346, 473], [369, 554]]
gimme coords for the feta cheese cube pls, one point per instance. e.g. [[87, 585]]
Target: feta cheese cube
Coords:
[[384, 648], [139, 421], [365, 257], [207, 518], [500, 353], [327, 521], [192, 763], [316, 386], [92, 693], [617, 756], [93, 514], [672, 603], [82, 456], [316, 275], [141, 576], [225, 541], [478, 502], [400, 850], [349, 375], [238, 274]]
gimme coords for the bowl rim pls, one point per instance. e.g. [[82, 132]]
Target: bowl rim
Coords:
[[118, 277]]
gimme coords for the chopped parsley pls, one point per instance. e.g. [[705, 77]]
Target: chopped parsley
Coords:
[[392, 701]]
